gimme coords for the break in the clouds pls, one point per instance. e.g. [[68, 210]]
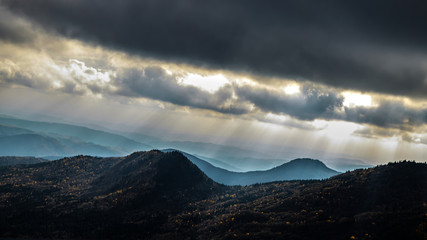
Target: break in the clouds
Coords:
[[377, 46]]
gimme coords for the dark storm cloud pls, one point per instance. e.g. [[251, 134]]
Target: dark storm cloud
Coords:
[[14, 29], [389, 114], [155, 83], [370, 45], [254, 101], [319, 103], [311, 104]]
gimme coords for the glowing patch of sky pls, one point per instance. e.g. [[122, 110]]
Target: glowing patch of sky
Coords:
[[210, 83], [353, 99], [292, 89]]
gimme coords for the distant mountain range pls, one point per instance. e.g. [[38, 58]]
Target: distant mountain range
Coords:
[[156, 195], [9, 161], [30, 138], [297, 169], [236, 158], [240, 159], [20, 137]]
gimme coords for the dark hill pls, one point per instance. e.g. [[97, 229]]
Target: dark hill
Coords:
[[301, 169], [298, 169], [156, 176], [144, 189], [386, 202], [155, 195]]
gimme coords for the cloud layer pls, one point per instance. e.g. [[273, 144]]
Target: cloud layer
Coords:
[[365, 45], [312, 103], [156, 83], [258, 102]]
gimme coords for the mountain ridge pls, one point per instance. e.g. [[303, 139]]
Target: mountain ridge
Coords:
[[106, 142], [13, 160], [52, 129], [297, 169], [164, 196]]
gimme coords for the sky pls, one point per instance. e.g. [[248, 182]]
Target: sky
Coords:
[[295, 78]]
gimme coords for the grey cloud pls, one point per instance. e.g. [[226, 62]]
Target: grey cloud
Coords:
[[311, 104], [375, 132], [367, 45], [155, 83], [31, 81], [14, 29], [90, 71], [69, 80], [410, 138], [380, 132], [70, 88], [11, 76], [388, 114], [318, 103]]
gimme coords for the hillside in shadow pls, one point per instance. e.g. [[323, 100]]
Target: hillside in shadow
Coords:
[[155, 195], [297, 169]]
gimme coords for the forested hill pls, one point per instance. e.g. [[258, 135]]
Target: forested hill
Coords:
[[7, 161], [155, 195]]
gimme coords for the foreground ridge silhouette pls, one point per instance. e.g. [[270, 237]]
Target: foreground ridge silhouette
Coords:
[[156, 195]]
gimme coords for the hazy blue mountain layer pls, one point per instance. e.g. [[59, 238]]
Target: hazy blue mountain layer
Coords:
[[89, 135], [294, 170]]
